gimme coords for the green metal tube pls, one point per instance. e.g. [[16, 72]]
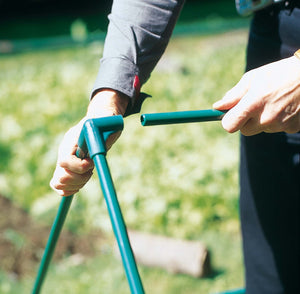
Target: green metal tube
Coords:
[[118, 224], [103, 126], [179, 117], [58, 223], [51, 243], [95, 136]]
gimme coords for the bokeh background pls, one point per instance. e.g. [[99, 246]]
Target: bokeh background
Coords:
[[179, 181]]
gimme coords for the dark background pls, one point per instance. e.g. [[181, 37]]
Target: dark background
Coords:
[[21, 19], [13, 8]]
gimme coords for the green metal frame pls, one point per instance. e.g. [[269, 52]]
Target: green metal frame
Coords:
[[177, 117], [92, 142]]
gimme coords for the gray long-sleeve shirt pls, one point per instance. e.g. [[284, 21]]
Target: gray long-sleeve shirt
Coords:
[[137, 36]]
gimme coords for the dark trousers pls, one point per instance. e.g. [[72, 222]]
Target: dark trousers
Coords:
[[270, 174]]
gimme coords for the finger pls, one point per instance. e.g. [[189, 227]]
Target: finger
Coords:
[[65, 192], [235, 94], [112, 139], [70, 179], [251, 127], [65, 187], [65, 176], [61, 192], [77, 165], [239, 115], [292, 126], [226, 104]]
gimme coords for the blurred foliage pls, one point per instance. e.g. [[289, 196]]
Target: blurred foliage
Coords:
[[179, 178], [41, 94], [184, 176]]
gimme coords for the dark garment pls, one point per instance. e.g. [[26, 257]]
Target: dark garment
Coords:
[[270, 174]]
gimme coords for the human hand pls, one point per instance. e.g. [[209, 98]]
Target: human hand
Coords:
[[72, 173], [266, 99]]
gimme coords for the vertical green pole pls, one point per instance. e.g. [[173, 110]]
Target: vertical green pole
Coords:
[[95, 141], [56, 230], [52, 240]]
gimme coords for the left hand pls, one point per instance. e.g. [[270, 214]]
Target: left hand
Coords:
[[72, 173], [266, 99]]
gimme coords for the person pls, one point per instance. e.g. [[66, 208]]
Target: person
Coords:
[[264, 106]]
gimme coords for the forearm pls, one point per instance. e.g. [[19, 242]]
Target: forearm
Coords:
[[137, 36], [138, 33]]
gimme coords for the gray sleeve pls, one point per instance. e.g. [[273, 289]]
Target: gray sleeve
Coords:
[[137, 36]]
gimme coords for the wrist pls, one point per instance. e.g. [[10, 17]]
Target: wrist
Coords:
[[108, 102]]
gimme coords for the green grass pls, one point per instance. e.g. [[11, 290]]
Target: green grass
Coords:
[[104, 274], [178, 180]]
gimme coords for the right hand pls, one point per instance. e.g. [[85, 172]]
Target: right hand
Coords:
[[72, 173], [266, 99]]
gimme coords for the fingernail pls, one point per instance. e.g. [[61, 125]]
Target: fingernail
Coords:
[[217, 104]]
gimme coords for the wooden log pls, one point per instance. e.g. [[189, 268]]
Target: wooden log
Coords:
[[174, 255]]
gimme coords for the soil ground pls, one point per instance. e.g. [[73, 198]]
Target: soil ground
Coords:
[[22, 241]]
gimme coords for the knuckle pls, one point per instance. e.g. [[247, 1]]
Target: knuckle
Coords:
[[58, 186], [245, 133], [85, 168], [292, 125], [81, 167], [292, 129], [228, 127], [88, 174], [267, 119], [249, 132], [82, 170], [66, 179]]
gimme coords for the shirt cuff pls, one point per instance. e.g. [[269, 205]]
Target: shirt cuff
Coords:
[[121, 75], [118, 74]]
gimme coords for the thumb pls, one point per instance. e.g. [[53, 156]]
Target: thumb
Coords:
[[233, 96], [69, 141], [231, 99]]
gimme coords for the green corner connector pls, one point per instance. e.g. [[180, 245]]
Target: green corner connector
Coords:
[[92, 141]]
